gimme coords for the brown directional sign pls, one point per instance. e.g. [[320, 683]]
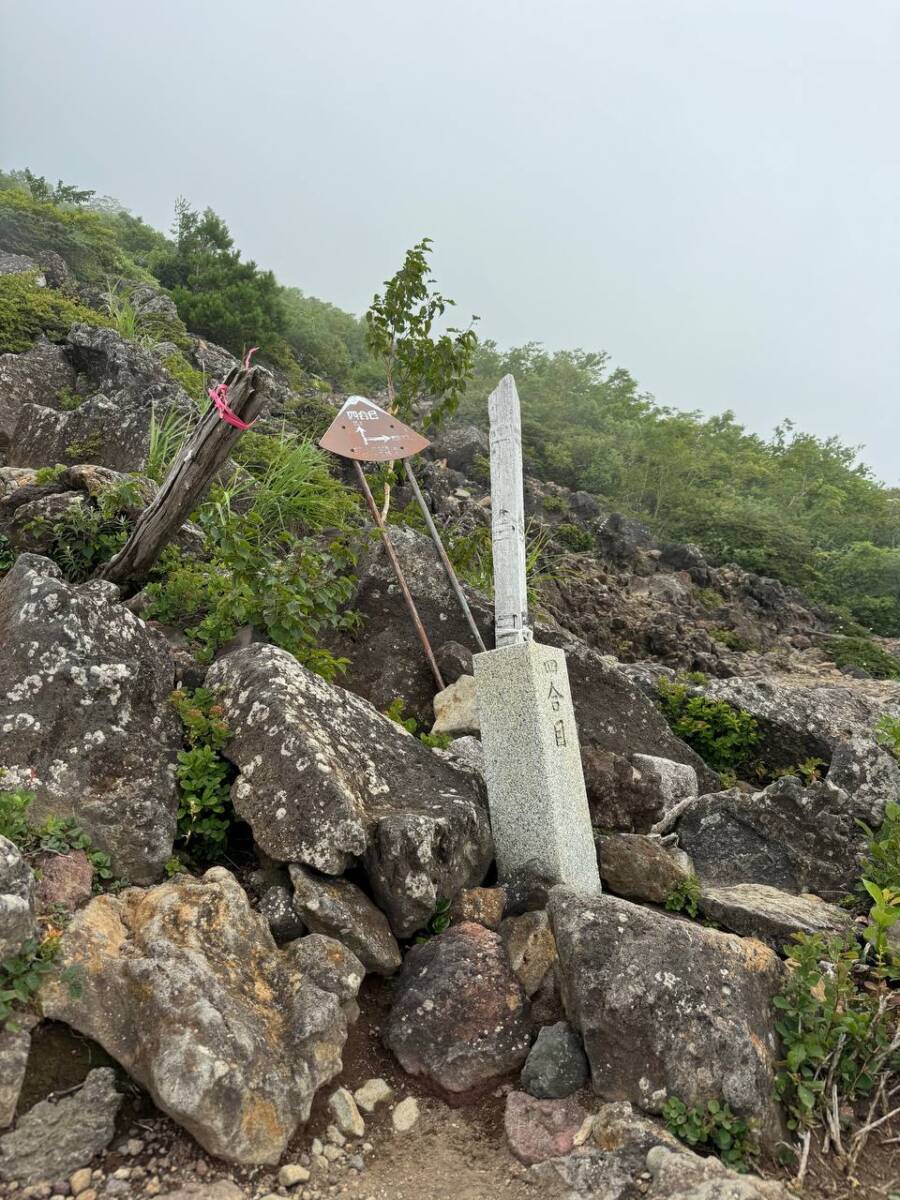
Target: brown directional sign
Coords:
[[363, 431]]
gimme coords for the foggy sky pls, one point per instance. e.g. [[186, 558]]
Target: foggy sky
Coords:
[[707, 189]]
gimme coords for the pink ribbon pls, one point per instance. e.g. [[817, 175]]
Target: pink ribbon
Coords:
[[219, 397]]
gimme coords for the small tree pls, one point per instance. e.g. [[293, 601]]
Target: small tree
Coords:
[[399, 327]]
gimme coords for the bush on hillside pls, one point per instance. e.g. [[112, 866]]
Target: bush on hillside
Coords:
[[26, 311]]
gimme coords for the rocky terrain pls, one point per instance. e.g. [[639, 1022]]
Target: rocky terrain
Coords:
[[344, 999]]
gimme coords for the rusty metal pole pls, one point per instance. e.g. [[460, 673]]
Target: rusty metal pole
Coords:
[[398, 571], [442, 555]]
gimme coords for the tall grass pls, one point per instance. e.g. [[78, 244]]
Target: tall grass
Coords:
[[167, 435], [288, 483]]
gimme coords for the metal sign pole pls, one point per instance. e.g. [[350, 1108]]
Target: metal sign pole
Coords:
[[442, 555], [401, 578]]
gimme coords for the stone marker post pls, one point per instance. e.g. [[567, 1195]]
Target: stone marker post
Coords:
[[538, 804]]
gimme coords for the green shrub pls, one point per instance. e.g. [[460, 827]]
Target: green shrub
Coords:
[[714, 1128], [86, 240], [57, 835], [14, 814], [887, 731], [27, 311], [205, 813], [573, 537], [22, 974], [684, 896], [62, 835], [292, 589], [709, 598], [555, 503], [68, 400], [882, 864], [837, 1028], [396, 712], [864, 654], [84, 537], [731, 638], [192, 380], [725, 738]]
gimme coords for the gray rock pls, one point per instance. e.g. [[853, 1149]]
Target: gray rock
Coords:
[[14, 1047], [456, 709], [277, 906], [681, 1175], [530, 947], [556, 1065], [95, 432], [19, 264], [639, 867], [405, 1115], [836, 724], [106, 757], [329, 965], [669, 1008], [459, 1017], [17, 896], [460, 445], [470, 750], [112, 426], [788, 837], [612, 1162], [35, 377], [29, 525], [672, 781], [54, 1139], [454, 660], [339, 909], [755, 910], [527, 889], [233, 1039], [325, 780], [346, 1114]]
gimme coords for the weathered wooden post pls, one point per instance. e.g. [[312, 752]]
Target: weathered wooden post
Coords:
[[538, 803], [236, 404]]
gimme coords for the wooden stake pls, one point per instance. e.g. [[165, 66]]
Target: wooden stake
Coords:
[[194, 468]]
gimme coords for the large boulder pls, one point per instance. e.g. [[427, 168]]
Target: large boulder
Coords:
[[98, 431], [125, 385], [57, 1137], [615, 718], [669, 1008], [232, 1039], [459, 1021], [325, 781], [833, 723], [35, 377], [755, 910], [85, 721], [795, 838]]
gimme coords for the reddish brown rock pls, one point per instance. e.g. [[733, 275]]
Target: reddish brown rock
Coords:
[[484, 906], [66, 881], [460, 1017], [540, 1129]]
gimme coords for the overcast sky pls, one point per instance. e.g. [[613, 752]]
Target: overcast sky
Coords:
[[709, 190]]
